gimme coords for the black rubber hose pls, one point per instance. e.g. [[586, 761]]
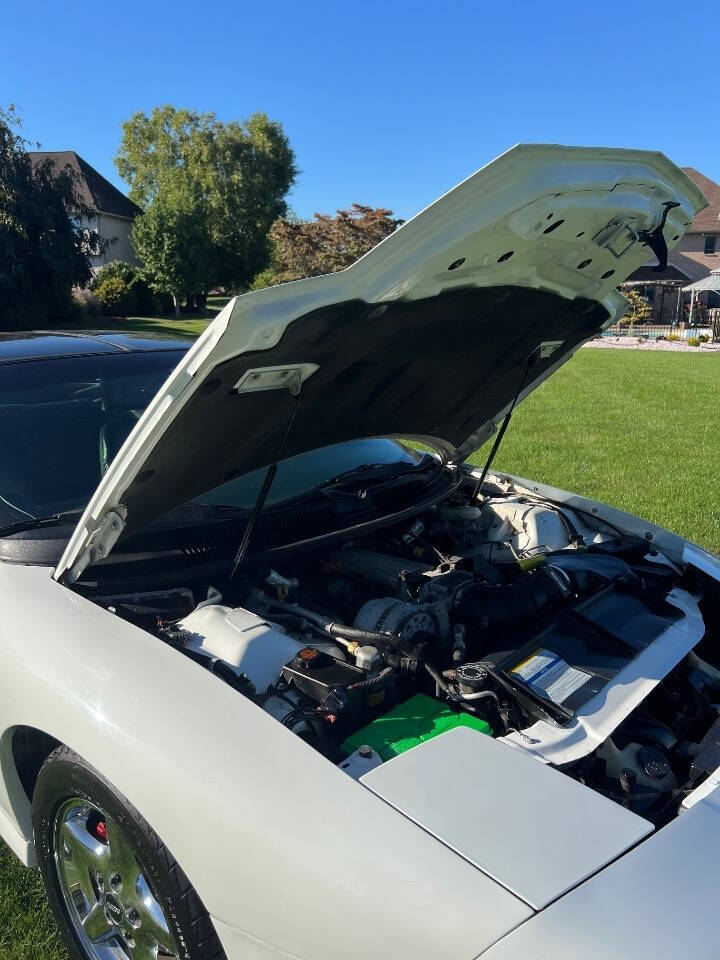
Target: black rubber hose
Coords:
[[495, 606], [589, 570], [372, 682], [499, 606], [338, 630], [373, 637]]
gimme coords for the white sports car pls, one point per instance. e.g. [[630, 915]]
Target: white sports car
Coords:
[[273, 684]]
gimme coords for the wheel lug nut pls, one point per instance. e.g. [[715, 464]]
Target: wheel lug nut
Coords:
[[134, 919], [130, 942], [116, 882]]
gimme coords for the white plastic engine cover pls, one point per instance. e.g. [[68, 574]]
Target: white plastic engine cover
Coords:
[[527, 526], [245, 641]]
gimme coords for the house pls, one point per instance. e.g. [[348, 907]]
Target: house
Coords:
[[111, 212], [697, 254]]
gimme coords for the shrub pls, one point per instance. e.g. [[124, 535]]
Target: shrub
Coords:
[[86, 304], [116, 296], [638, 311], [693, 341], [266, 278], [124, 289], [673, 336], [704, 338]]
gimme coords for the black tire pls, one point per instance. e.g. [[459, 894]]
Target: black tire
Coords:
[[65, 775]]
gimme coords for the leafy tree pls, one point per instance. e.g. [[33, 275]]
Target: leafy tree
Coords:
[[210, 191], [307, 248], [639, 310], [173, 240], [43, 251]]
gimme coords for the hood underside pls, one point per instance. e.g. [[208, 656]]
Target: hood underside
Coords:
[[430, 335]]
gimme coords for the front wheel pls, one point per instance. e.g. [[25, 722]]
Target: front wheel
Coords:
[[116, 891]]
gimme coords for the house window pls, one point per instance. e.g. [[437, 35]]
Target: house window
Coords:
[[710, 243]]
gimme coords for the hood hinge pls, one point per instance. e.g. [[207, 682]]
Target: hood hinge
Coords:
[[100, 542]]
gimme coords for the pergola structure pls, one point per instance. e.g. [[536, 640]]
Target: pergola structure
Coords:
[[709, 284], [663, 290]]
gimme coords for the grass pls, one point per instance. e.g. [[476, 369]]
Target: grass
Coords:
[[640, 430], [27, 928], [188, 325]]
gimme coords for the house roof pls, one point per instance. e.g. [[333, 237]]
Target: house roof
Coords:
[[708, 220], [94, 190], [672, 276]]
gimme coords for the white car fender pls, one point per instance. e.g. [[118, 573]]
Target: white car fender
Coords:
[[285, 850]]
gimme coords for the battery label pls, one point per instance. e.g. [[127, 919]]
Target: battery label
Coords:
[[549, 674]]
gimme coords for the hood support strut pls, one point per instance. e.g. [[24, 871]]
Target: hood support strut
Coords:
[[529, 363], [266, 485]]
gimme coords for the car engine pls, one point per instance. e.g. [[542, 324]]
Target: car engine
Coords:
[[530, 622]]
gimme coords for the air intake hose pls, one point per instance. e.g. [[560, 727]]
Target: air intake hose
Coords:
[[494, 607]]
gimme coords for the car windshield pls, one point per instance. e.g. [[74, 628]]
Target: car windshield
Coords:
[[356, 461], [62, 420]]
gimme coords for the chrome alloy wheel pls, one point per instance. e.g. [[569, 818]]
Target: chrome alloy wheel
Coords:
[[108, 899]]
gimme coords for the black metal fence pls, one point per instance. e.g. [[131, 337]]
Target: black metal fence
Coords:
[[658, 331]]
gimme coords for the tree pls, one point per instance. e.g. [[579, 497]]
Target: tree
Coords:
[[638, 311], [308, 248], [173, 240], [217, 186], [43, 252]]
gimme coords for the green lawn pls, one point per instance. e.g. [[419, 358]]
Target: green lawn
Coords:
[[189, 325], [27, 929], [637, 429]]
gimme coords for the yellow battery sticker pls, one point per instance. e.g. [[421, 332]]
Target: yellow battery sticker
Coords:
[[550, 675]]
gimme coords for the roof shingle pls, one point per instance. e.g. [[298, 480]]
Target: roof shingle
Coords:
[[95, 191], [708, 220]]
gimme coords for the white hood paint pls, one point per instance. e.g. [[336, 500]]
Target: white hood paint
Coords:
[[603, 197]]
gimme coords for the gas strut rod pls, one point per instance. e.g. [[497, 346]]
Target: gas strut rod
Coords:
[[501, 432], [264, 490]]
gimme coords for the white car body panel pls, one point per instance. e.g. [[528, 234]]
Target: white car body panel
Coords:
[[659, 902], [523, 823], [270, 857]]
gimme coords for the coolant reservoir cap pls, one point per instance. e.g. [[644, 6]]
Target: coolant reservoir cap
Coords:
[[306, 657]]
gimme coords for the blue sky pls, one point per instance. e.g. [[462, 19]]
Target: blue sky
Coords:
[[386, 103]]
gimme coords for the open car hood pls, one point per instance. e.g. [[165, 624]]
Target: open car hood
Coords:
[[428, 336]]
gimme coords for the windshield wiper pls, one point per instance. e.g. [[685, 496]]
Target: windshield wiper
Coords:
[[35, 523], [379, 471]]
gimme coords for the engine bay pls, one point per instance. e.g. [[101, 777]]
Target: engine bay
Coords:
[[532, 623]]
